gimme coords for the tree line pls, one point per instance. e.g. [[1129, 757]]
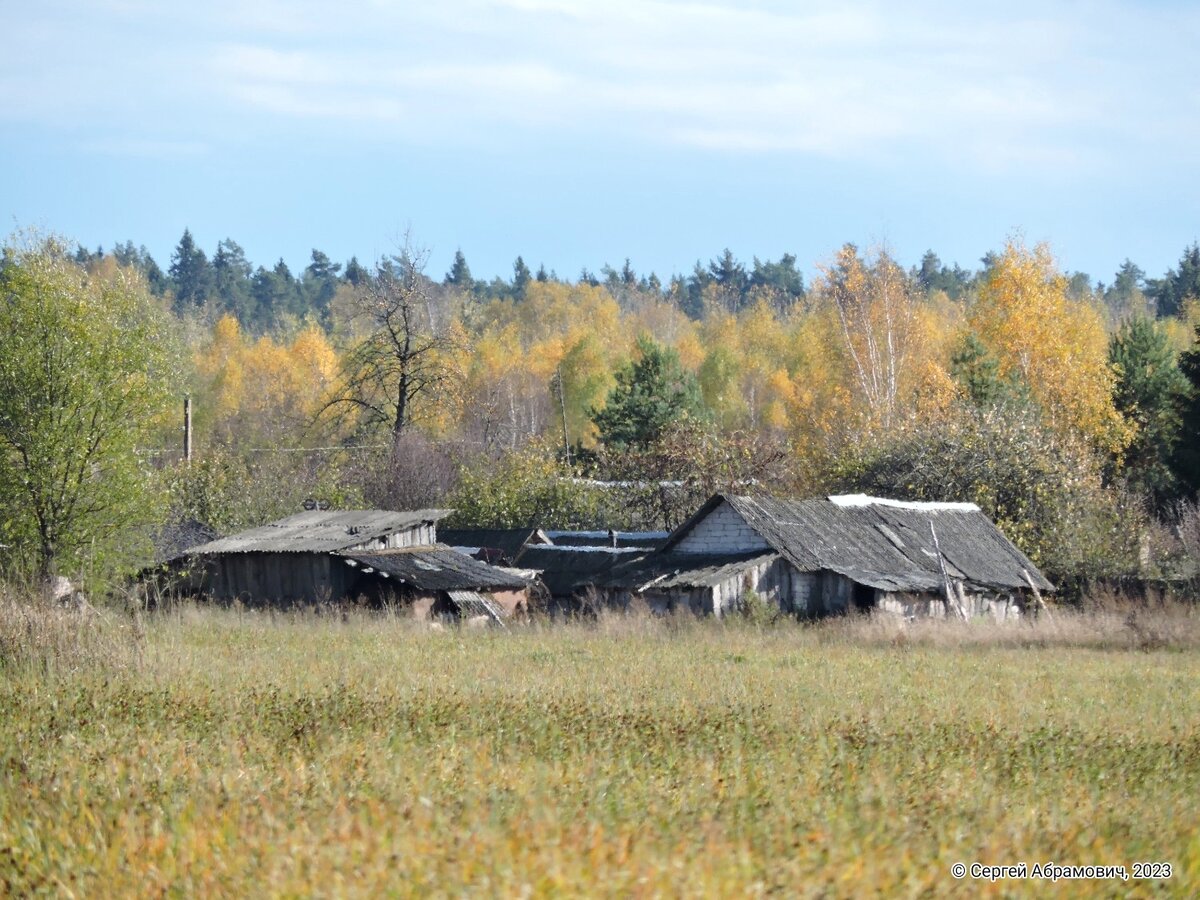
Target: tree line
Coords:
[[264, 299]]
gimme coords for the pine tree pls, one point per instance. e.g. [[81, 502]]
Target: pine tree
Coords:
[[1185, 461], [459, 275], [521, 278], [190, 273], [1148, 393], [1170, 291], [651, 393]]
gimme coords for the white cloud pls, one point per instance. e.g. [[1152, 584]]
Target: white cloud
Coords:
[[997, 86]]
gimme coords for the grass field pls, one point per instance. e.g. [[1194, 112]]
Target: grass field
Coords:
[[218, 752]]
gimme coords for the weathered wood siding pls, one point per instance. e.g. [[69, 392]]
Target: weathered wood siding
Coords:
[[721, 531], [275, 577], [999, 608]]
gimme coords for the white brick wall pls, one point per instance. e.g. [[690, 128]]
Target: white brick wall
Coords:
[[721, 531]]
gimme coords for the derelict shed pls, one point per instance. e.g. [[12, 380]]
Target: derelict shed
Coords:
[[704, 583], [291, 559], [834, 553], [568, 573], [437, 582]]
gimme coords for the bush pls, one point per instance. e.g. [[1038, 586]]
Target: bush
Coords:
[[1044, 490]]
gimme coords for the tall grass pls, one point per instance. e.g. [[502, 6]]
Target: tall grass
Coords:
[[259, 754], [41, 635]]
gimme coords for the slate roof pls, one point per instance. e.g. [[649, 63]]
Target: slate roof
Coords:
[[435, 568], [565, 570], [471, 605], [646, 539], [495, 544], [682, 570], [884, 544], [320, 531]]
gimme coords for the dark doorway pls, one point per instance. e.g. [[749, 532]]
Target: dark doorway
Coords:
[[864, 596]]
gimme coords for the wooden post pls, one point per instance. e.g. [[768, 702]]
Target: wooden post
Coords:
[[187, 429], [1037, 595], [951, 602]]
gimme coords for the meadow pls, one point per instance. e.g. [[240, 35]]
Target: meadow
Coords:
[[222, 752]]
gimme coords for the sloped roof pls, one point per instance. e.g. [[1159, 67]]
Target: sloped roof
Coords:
[[565, 570], [646, 539], [434, 568], [682, 570], [471, 605], [508, 541], [320, 531], [886, 544]]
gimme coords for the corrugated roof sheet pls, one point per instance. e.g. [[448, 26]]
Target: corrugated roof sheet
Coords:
[[647, 539], [435, 568], [682, 570], [320, 531], [471, 604], [881, 544]]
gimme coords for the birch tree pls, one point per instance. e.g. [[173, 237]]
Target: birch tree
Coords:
[[876, 310]]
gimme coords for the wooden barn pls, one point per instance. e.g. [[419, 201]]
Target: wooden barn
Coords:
[[825, 556], [331, 555]]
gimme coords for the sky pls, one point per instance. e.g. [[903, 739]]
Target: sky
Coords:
[[577, 134]]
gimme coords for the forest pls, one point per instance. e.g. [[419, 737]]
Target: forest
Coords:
[[1067, 408]]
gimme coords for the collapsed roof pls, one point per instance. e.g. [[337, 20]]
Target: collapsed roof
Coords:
[[434, 568]]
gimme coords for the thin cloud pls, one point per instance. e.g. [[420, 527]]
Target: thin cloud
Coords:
[[1024, 84]]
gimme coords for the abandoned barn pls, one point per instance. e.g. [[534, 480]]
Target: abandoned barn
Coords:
[[819, 557], [807, 557], [321, 555]]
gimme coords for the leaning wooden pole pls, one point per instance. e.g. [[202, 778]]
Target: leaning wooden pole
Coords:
[[1037, 595], [947, 587]]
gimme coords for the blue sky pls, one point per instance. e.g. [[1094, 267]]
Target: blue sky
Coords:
[[579, 133]]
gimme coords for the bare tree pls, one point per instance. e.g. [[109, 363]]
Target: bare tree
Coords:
[[404, 358]]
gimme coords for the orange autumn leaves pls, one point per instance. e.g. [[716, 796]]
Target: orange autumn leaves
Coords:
[[865, 353]]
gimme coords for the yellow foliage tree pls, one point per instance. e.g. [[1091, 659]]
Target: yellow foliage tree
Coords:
[[1055, 345]]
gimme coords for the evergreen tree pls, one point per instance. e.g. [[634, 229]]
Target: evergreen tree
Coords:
[[459, 275], [650, 394], [1148, 393], [521, 278], [1126, 296], [1170, 291], [731, 280], [356, 274], [190, 273], [139, 258], [782, 278], [231, 281], [1185, 461], [978, 373], [320, 283]]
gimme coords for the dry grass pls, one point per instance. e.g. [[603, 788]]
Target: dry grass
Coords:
[[1106, 625], [251, 754], [47, 637]]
